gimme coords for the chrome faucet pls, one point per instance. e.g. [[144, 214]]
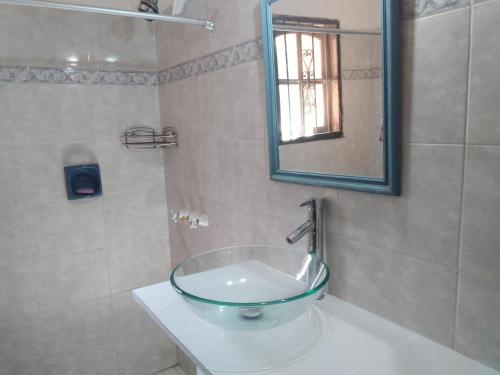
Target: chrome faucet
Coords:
[[314, 228]]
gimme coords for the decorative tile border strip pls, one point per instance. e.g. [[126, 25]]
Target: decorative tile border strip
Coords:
[[250, 50], [76, 76], [421, 8], [359, 74]]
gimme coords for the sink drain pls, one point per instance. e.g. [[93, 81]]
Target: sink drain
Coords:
[[251, 313]]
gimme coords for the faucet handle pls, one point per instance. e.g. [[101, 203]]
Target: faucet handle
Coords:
[[309, 202]]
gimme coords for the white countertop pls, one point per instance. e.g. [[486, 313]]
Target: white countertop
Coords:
[[335, 337]]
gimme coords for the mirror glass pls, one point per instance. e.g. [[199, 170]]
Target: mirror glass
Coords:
[[328, 86]]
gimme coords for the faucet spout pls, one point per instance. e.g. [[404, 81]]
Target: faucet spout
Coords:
[[301, 231], [314, 228]]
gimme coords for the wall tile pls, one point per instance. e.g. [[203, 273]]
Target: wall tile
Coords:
[[230, 226], [137, 247], [79, 330], [208, 182], [186, 366], [11, 172], [43, 36], [52, 114], [12, 234], [68, 121], [433, 187], [478, 332], [480, 245], [32, 118], [188, 181], [237, 20], [242, 171], [65, 227], [138, 106], [129, 43], [99, 362], [417, 294], [483, 125], [434, 77], [132, 214], [174, 37], [42, 172], [70, 278], [236, 108], [425, 221], [124, 170], [48, 37], [20, 350], [17, 285], [142, 347], [139, 262], [179, 100]]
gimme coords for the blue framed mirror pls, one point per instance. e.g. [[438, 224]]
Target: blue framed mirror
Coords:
[[332, 87]]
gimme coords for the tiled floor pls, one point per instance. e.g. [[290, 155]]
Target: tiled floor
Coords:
[[173, 371]]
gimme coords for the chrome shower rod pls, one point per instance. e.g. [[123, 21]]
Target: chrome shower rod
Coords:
[[319, 30], [209, 25]]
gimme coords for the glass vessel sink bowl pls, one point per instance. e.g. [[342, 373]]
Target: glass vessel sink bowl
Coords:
[[250, 287]]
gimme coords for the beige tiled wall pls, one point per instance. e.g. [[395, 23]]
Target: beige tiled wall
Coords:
[[429, 259], [67, 268]]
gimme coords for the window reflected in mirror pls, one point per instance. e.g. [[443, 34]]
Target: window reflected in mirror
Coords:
[[308, 70]]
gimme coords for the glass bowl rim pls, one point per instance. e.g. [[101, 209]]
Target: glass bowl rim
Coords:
[[182, 292]]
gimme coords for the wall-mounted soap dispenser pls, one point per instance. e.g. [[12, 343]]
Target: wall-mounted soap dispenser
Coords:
[[83, 181]]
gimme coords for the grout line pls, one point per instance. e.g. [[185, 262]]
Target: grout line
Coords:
[[174, 367], [435, 144], [464, 165], [155, 28], [491, 279], [394, 251], [108, 268], [249, 210], [481, 145], [59, 254], [34, 279]]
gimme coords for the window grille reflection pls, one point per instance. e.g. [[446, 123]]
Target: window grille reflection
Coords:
[[308, 81]]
